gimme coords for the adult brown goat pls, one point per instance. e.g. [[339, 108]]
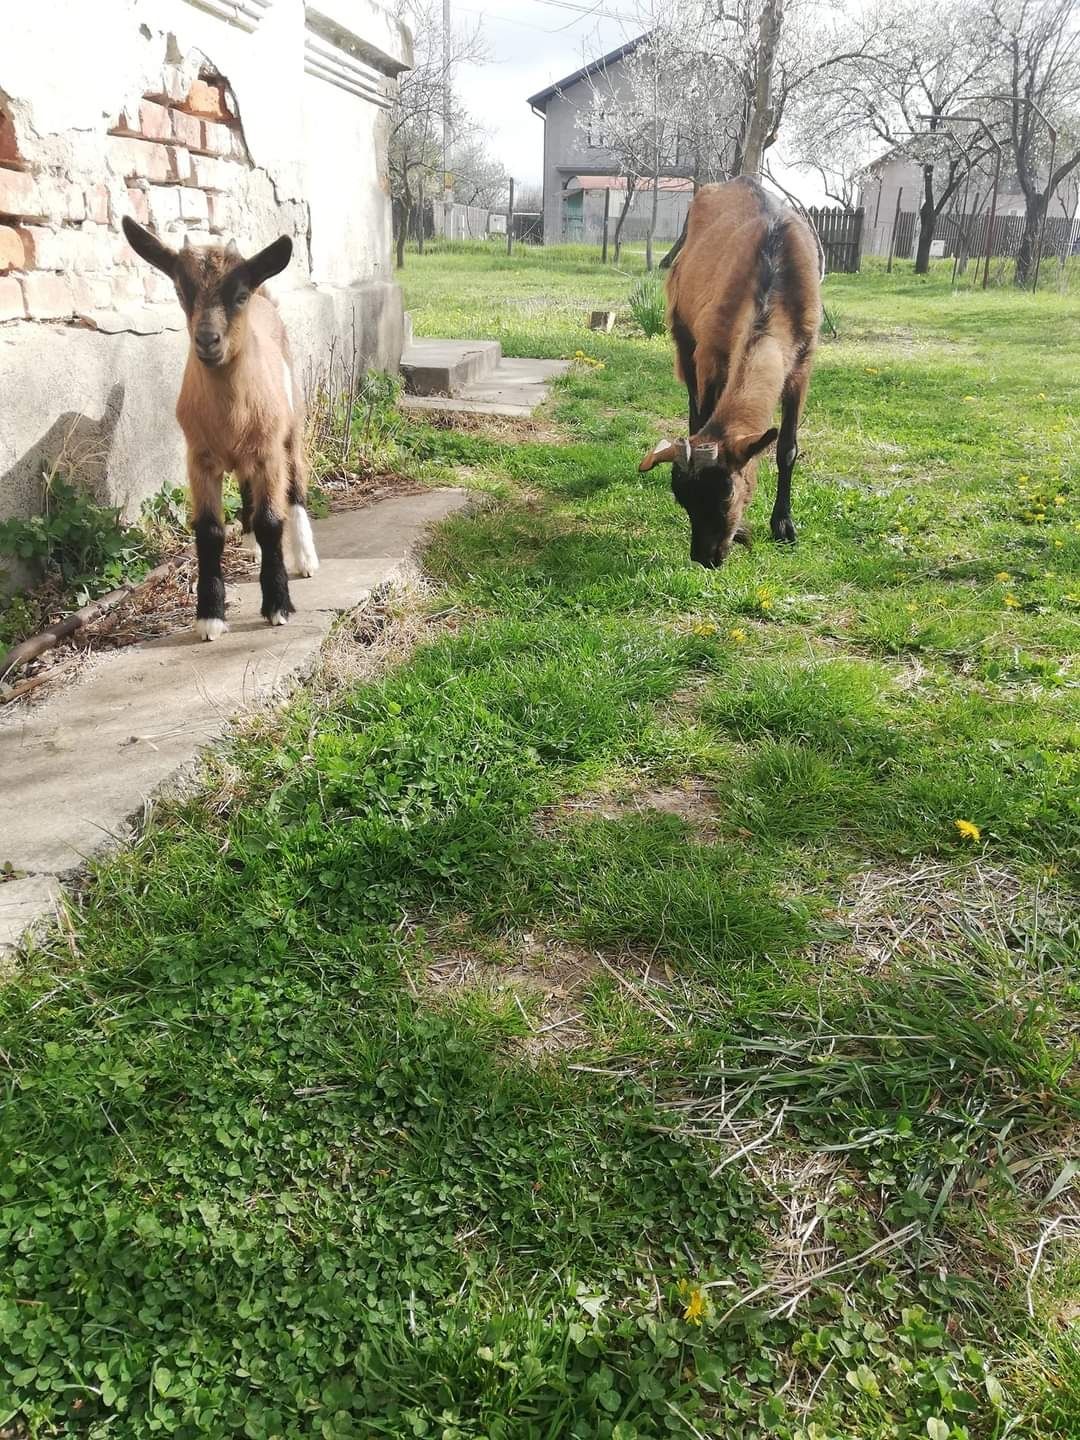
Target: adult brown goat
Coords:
[[240, 409], [744, 307]]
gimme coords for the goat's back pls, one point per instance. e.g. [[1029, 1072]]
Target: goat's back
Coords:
[[746, 257]]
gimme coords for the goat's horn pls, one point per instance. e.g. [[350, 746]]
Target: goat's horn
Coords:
[[232, 250], [187, 242], [665, 451], [704, 454]]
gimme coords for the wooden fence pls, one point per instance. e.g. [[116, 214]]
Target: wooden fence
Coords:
[[840, 231]]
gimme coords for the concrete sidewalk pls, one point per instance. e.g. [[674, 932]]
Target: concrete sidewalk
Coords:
[[76, 769]]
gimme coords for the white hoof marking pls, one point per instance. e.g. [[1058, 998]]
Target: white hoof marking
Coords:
[[301, 542], [279, 617], [210, 629]]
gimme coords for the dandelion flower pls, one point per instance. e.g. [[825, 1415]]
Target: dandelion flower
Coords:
[[1003, 577], [694, 1309], [1059, 544], [1011, 602], [1023, 479], [911, 609], [871, 370], [1059, 499], [968, 830], [969, 397], [738, 635], [705, 629]]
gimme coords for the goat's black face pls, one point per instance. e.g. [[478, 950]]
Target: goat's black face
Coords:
[[705, 494], [710, 481]]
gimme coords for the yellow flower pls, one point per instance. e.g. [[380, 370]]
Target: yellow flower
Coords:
[[694, 1309], [912, 608], [968, 830], [1022, 478], [705, 629], [1011, 602], [1059, 499], [1003, 577], [1059, 544], [737, 635], [871, 370], [969, 397]]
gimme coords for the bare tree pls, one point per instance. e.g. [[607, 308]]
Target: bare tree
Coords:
[[416, 119], [937, 63], [1038, 51], [637, 109]]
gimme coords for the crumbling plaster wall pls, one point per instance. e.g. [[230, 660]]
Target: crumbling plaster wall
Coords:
[[240, 119]]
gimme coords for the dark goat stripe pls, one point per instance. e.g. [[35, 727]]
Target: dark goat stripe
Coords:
[[770, 271]]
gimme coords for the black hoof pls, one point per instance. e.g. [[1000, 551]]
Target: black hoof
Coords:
[[742, 537], [783, 531]]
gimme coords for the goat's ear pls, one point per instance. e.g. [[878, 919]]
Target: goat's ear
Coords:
[[747, 446], [269, 262], [149, 247]]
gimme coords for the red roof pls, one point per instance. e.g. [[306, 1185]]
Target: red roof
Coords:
[[618, 182]]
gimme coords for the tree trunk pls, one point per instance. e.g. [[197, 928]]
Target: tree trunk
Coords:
[[631, 182], [1029, 240], [927, 222], [652, 221], [761, 116], [403, 231]]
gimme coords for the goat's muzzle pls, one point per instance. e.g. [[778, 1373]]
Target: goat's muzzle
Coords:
[[209, 347]]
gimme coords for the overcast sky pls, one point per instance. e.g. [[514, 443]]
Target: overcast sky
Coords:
[[533, 43]]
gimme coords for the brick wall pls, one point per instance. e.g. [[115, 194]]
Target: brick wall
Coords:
[[177, 162]]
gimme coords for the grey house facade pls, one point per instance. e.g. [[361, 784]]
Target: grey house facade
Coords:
[[577, 155]]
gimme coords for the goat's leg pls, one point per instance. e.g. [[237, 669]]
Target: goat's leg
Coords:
[[204, 478], [248, 543], [787, 452], [299, 541], [269, 493]]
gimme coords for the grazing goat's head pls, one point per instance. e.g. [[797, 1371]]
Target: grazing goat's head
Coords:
[[710, 481], [214, 285]]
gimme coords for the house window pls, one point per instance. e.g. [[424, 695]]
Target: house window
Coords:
[[596, 135]]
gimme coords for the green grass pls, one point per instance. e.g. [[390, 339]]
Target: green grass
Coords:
[[260, 1177]]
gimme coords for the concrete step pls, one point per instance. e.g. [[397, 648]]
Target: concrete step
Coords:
[[513, 389], [444, 367], [76, 767]]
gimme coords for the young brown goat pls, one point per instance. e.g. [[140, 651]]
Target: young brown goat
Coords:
[[744, 306], [240, 409]]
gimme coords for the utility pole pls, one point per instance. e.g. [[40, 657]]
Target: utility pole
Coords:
[[448, 178]]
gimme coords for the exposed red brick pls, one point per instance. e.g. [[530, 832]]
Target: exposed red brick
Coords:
[[207, 101], [18, 194], [138, 159], [154, 121], [164, 206], [220, 213], [48, 297], [181, 163], [12, 306], [9, 147], [212, 173], [12, 250], [138, 206], [90, 294], [217, 139], [127, 288], [97, 204], [187, 129]]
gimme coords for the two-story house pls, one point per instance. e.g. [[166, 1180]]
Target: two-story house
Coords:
[[580, 164]]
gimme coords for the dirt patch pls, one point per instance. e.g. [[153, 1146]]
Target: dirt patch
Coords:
[[546, 979], [348, 490], [503, 429], [691, 801]]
